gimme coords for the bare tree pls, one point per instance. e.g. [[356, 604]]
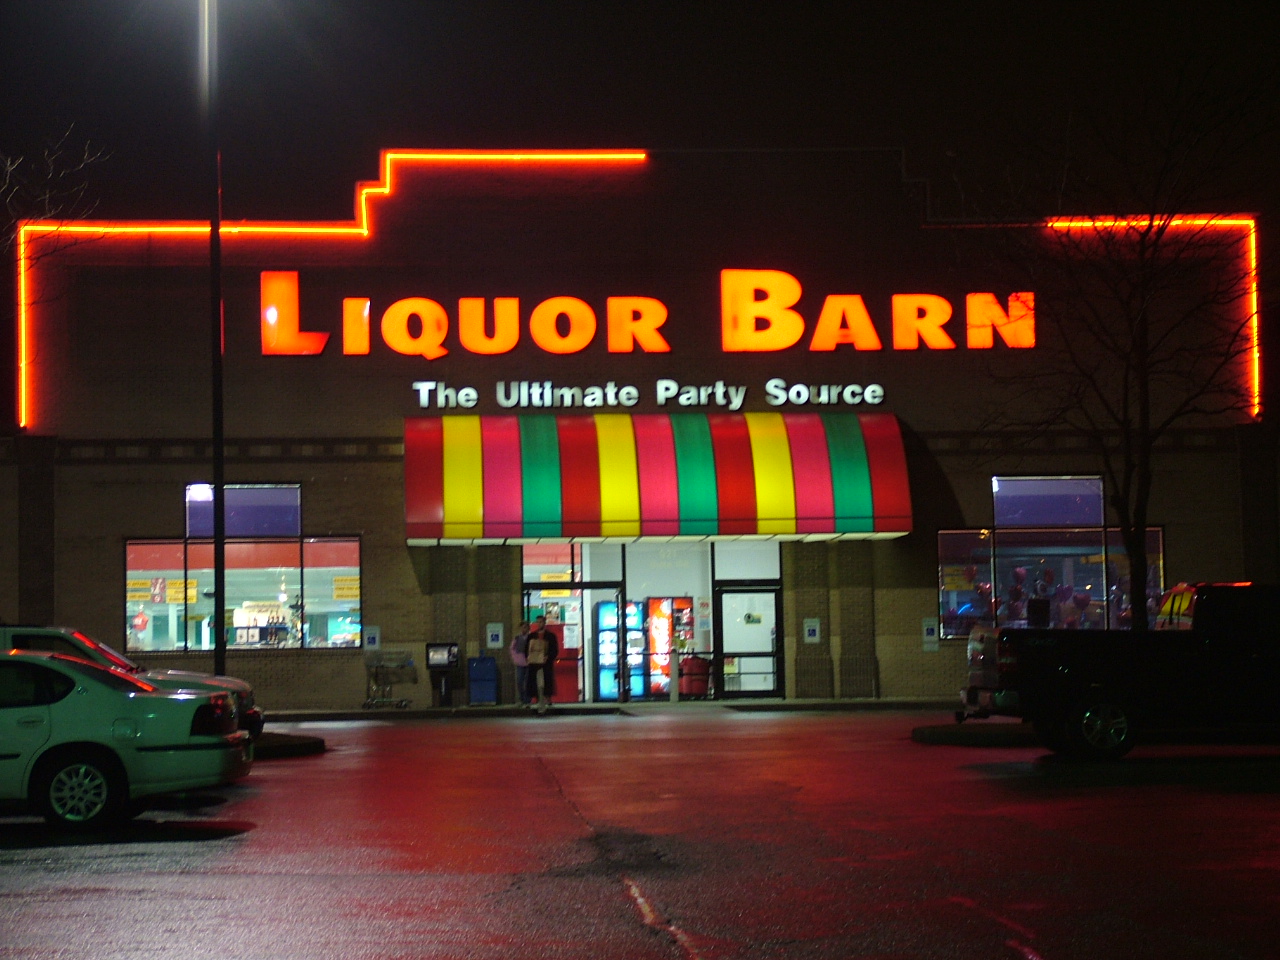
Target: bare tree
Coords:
[[1145, 277], [52, 185]]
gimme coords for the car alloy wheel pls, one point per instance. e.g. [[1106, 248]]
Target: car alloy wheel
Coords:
[[1101, 729], [82, 793]]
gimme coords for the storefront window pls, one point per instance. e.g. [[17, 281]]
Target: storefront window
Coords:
[[964, 580], [1054, 577], [252, 510], [1051, 578], [280, 593]]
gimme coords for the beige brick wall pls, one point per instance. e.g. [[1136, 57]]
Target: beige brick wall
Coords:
[[906, 668], [8, 533], [290, 679]]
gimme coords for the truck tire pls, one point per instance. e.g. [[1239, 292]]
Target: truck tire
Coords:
[[1099, 728]]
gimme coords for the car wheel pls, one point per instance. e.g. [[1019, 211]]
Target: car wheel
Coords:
[[1100, 728], [82, 791]]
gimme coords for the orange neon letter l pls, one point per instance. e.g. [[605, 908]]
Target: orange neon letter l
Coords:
[[281, 335]]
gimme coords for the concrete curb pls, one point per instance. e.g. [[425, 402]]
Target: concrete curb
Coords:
[[644, 707]]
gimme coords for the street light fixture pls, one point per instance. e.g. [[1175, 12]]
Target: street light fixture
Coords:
[[209, 88]]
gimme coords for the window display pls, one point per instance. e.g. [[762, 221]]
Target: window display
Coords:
[[280, 593], [1049, 577]]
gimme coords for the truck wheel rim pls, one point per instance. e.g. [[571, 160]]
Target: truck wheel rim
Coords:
[[1105, 726], [78, 793]]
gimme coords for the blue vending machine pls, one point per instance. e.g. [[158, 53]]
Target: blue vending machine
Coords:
[[607, 650]]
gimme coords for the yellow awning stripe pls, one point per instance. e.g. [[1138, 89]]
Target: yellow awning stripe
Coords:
[[463, 478], [775, 484], [619, 477]]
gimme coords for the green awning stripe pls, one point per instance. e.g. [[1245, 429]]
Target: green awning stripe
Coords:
[[540, 465], [696, 470], [850, 474]]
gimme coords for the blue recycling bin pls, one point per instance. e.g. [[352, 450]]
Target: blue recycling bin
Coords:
[[482, 680]]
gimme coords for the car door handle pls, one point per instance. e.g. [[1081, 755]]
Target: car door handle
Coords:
[[31, 721]]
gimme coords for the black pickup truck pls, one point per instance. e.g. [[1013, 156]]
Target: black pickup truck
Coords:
[[1211, 661]]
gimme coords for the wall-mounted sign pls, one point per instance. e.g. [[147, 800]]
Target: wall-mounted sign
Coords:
[[494, 634], [757, 315], [929, 634]]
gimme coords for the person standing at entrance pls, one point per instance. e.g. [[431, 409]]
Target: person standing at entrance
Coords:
[[541, 655], [519, 650]]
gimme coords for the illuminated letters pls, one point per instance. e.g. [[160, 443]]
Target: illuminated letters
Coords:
[[446, 396], [757, 310], [778, 392], [434, 323], [844, 319], [689, 395], [633, 320], [983, 315], [742, 311], [355, 326], [544, 325], [506, 325], [281, 333], [920, 316]]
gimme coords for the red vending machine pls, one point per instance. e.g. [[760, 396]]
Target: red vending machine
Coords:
[[669, 625]]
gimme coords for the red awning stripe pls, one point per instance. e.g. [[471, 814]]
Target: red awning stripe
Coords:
[[503, 492], [887, 462], [735, 473], [424, 478], [659, 486], [579, 476], [811, 464]]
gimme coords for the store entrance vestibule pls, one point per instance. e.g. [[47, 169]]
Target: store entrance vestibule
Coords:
[[641, 620]]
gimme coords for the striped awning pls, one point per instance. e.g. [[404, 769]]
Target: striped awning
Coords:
[[619, 476]]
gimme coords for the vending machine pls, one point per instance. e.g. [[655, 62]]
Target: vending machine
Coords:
[[669, 629], [607, 650]]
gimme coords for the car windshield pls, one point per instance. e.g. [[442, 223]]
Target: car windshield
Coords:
[[117, 660], [115, 679]]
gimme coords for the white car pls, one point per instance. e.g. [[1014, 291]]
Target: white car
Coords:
[[76, 644], [83, 744]]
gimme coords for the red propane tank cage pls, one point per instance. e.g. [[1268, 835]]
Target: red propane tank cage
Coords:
[[695, 673]]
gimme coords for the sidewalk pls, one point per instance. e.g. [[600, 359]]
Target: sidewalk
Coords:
[[275, 745], [636, 708]]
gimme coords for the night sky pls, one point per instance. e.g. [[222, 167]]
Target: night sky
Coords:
[[312, 89]]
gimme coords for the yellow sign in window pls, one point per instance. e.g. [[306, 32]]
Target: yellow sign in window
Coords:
[[346, 588]]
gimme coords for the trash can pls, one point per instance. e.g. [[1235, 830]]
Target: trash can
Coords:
[[482, 680], [694, 675]]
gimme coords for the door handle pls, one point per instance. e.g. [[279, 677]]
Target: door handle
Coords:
[[31, 721]]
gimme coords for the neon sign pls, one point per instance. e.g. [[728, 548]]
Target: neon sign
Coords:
[[757, 315], [759, 310]]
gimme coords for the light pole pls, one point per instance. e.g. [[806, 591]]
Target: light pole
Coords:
[[209, 86]]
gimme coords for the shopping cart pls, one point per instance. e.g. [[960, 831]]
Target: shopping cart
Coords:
[[384, 671]]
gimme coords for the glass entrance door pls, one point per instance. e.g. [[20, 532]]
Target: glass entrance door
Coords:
[[746, 626]]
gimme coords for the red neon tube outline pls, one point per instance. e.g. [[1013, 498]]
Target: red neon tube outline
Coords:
[[1245, 222], [359, 228]]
